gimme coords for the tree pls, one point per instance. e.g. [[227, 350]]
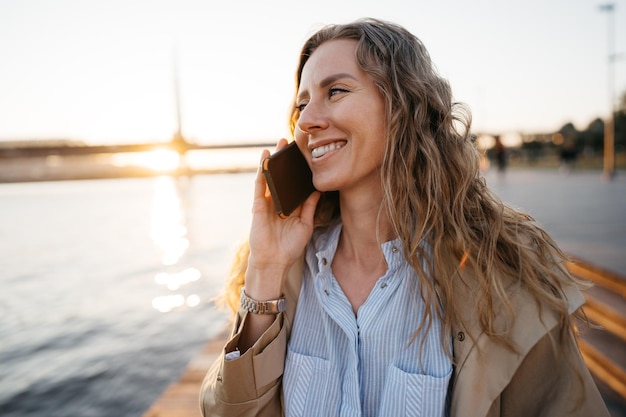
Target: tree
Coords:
[[592, 138]]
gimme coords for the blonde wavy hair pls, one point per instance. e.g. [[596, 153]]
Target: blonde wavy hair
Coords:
[[437, 200]]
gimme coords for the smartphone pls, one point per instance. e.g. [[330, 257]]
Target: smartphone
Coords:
[[289, 179]]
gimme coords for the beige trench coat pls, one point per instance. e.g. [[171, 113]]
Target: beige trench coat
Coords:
[[489, 380]]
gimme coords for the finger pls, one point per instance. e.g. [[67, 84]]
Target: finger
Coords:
[[259, 184], [308, 207], [281, 144]]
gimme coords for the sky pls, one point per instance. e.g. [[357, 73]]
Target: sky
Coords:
[[103, 71]]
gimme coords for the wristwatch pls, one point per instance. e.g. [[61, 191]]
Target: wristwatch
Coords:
[[262, 307]]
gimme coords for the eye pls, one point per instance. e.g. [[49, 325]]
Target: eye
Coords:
[[300, 107], [336, 90]]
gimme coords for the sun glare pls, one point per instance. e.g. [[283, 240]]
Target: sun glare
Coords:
[[161, 160]]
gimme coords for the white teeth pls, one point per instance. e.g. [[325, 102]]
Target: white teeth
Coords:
[[323, 150]]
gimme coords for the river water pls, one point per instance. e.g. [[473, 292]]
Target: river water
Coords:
[[108, 288]]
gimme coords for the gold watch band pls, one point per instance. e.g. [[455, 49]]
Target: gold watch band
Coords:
[[262, 307]]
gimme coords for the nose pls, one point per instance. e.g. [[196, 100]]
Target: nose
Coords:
[[312, 118]]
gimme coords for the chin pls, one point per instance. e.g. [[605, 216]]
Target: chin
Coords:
[[329, 179], [324, 186]]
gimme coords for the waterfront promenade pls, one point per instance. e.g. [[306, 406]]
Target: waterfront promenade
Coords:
[[584, 212]]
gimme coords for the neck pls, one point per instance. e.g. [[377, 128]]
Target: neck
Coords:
[[365, 227], [359, 260]]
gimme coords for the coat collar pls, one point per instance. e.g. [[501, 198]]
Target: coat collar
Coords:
[[483, 367]]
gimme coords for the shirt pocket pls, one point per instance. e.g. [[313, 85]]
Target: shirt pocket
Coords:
[[414, 395], [305, 385]]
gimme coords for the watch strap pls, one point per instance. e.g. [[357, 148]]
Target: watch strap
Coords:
[[262, 307]]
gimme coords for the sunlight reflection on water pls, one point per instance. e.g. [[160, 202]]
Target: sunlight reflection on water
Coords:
[[168, 230], [169, 233]]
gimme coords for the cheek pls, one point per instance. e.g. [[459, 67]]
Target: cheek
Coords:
[[376, 129], [302, 143], [376, 141], [371, 115], [300, 138]]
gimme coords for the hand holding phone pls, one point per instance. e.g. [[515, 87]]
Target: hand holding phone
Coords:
[[289, 179]]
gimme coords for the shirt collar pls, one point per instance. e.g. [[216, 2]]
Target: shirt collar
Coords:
[[325, 243]]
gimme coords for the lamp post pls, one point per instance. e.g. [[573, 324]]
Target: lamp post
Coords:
[[609, 124]]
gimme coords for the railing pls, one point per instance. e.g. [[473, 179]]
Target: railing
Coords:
[[604, 350]]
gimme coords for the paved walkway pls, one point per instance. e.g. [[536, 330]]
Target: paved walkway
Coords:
[[584, 212]]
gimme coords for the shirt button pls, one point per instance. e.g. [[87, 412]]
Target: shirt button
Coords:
[[326, 292], [324, 261], [383, 285], [460, 336], [394, 249]]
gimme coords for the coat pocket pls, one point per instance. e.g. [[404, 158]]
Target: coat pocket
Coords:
[[414, 395]]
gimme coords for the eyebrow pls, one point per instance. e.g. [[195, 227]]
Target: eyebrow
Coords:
[[329, 80]]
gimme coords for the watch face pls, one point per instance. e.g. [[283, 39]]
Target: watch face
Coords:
[[281, 305]]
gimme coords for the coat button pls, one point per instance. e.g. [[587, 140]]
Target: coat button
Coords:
[[460, 336]]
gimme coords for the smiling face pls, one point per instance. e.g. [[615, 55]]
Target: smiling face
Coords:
[[341, 123]]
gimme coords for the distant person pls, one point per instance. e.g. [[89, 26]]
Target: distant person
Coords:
[[500, 156], [403, 287]]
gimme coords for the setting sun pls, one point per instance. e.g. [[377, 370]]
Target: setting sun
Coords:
[[159, 160]]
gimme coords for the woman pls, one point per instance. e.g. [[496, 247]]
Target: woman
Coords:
[[410, 289]]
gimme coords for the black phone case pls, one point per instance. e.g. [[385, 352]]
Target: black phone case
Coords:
[[289, 179]]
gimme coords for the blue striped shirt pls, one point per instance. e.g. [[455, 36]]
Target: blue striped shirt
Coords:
[[339, 364]]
